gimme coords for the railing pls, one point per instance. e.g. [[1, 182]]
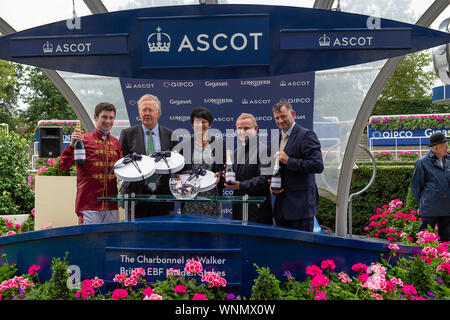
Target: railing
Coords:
[[422, 149]]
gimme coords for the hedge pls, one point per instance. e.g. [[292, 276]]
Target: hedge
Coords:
[[399, 107], [391, 182]]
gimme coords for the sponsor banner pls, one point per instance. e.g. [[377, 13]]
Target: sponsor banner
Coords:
[[69, 45], [156, 262], [226, 99], [345, 39], [402, 136], [228, 40]]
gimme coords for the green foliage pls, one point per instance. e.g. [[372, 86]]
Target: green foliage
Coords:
[[411, 202], [16, 197], [43, 99], [411, 79], [395, 107], [266, 286], [391, 182], [420, 275], [7, 271], [58, 288]]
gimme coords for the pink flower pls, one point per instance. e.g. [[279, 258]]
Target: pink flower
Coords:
[[97, 282], [147, 292], [359, 267], [344, 278], [180, 289], [320, 295], [328, 265], [313, 270], [363, 277], [138, 272], [418, 298], [199, 296], [320, 280], [445, 267], [120, 277], [119, 294], [153, 296], [33, 211], [193, 267], [33, 269], [51, 162], [377, 296], [10, 233], [409, 289], [394, 247]]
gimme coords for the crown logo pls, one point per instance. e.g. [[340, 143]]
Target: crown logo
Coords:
[[244, 101], [158, 42], [282, 83], [324, 41], [47, 47], [128, 85]]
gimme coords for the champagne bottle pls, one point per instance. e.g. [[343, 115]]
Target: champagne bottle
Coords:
[[79, 152], [229, 173], [275, 182]]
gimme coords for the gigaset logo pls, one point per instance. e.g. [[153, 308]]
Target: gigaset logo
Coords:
[[161, 42]]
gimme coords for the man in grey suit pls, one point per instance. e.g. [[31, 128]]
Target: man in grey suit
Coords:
[[300, 159], [146, 138]]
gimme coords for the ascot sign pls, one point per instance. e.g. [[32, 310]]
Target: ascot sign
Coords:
[[215, 42], [224, 41]]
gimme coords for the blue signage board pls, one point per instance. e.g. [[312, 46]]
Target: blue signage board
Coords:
[[156, 262], [402, 137], [205, 41], [89, 45], [215, 42], [345, 39], [226, 99]]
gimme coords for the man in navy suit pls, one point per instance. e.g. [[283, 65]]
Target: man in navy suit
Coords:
[[300, 159], [146, 138], [251, 171]]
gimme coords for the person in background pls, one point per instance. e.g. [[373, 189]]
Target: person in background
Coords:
[[300, 159], [94, 178], [146, 138], [430, 185], [250, 178]]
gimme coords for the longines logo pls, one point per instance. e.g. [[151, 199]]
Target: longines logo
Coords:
[[218, 101], [255, 83]]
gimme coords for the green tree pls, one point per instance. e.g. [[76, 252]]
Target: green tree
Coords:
[[9, 91], [43, 99], [413, 78]]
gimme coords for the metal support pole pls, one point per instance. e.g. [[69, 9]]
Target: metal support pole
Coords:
[[133, 206], [245, 210], [374, 172], [126, 204]]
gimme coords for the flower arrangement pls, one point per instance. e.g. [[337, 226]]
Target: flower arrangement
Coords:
[[383, 156], [410, 122], [51, 168], [391, 223], [8, 228], [68, 126], [179, 285], [379, 280], [408, 156]]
